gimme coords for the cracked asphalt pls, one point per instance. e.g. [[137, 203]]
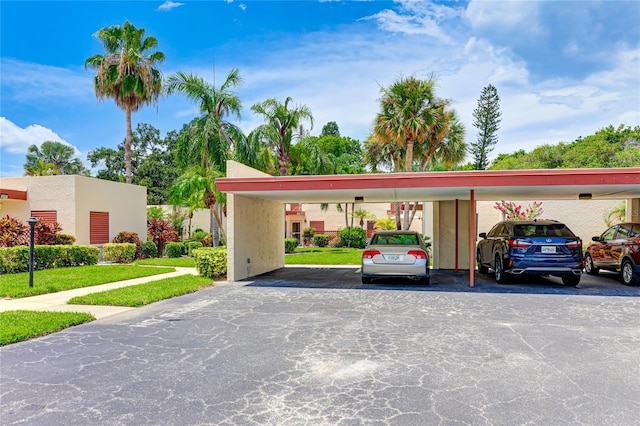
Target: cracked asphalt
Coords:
[[305, 346]]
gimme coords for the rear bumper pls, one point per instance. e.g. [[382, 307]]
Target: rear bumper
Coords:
[[538, 270], [419, 270]]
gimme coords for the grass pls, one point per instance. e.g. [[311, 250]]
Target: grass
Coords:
[[59, 279], [143, 294], [182, 262], [17, 326], [324, 256]]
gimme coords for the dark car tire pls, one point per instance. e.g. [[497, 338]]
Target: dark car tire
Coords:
[[628, 273], [589, 266], [481, 268], [501, 276], [366, 280], [571, 280]]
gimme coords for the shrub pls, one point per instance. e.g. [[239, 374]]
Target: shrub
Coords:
[[65, 239], [192, 245], [119, 252], [198, 234], [321, 240], [16, 259], [290, 245], [211, 262], [149, 250], [129, 237], [13, 232], [161, 233], [354, 237], [155, 213], [207, 240], [308, 234], [46, 233], [174, 249]]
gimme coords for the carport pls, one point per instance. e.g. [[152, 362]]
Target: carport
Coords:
[[256, 204]]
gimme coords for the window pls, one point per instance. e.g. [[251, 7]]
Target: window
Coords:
[[98, 227], [609, 233]]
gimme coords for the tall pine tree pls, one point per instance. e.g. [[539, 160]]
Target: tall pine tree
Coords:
[[486, 118]]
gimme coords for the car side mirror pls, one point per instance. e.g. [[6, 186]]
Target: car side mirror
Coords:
[[595, 238], [482, 235], [427, 245]]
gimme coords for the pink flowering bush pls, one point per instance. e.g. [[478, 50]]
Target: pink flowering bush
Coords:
[[513, 211]]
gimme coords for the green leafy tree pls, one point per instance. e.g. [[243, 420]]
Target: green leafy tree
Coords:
[[330, 129], [486, 118], [128, 73], [607, 148], [53, 158], [281, 121]]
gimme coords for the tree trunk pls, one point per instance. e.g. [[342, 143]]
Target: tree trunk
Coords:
[[127, 147], [398, 221]]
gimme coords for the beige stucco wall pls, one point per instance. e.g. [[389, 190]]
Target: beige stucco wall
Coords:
[[201, 218], [255, 231], [73, 197], [585, 218], [444, 235]]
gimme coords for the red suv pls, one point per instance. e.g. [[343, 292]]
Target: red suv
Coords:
[[617, 249]]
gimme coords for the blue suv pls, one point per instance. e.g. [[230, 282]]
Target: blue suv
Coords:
[[531, 247]]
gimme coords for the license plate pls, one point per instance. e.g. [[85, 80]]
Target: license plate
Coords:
[[548, 249], [393, 257]]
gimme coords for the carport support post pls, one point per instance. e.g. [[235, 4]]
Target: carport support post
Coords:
[[472, 237]]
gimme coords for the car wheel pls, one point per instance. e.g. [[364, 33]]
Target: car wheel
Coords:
[[366, 280], [501, 276], [481, 268], [589, 267], [629, 277], [571, 280]]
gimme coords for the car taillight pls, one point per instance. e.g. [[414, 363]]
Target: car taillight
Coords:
[[574, 244], [368, 254], [518, 243], [418, 254]]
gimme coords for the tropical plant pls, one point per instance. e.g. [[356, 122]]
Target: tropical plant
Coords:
[[129, 237], [362, 215], [385, 224], [53, 158], [45, 233], [513, 211], [13, 232], [281, 122], [127, 72], [161, 233], [617, 214]]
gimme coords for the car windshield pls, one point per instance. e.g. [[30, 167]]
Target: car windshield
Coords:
[[539, 230], [396, 239]]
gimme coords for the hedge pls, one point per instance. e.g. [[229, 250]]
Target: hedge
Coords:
[[119, 252], [290, 245], [211, 262], [16, 259], [174, 249]]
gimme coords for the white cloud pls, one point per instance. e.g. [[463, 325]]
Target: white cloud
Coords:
[[514, 17], [17, 140], [169, 5]]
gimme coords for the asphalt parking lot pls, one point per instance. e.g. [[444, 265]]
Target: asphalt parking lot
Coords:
[[313, 346]]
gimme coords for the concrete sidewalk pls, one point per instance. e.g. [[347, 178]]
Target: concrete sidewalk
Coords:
[[58, 301]]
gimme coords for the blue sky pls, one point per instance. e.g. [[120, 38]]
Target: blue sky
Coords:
[[563, 69]]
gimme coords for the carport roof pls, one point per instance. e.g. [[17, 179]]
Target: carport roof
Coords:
[[620, 183]]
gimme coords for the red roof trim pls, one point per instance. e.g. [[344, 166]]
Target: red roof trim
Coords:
[[14, 194], [473, 179]]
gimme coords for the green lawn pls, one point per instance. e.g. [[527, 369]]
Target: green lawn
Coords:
[[16, 326], [59, 279], [143, 294], [185, 262], [324, 256]]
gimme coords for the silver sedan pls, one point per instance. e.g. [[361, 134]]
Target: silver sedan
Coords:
[[396, 254]]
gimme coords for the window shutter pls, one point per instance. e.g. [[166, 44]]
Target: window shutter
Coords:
[[45, 215], [98, 227], [318, 225]]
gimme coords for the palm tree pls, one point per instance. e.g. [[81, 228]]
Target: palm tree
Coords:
[[210, 141], [53, 158], [411, 117], [127, 73], [280, 123]]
